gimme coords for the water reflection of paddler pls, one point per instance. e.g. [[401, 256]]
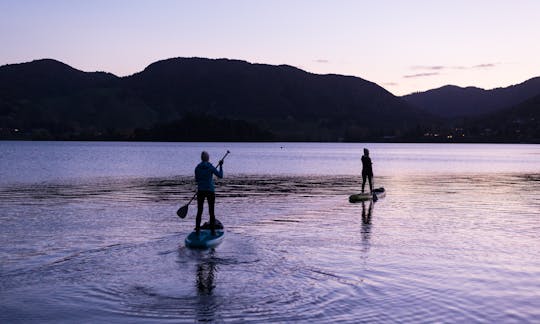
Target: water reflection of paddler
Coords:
[[366, 217], [366, 225], [205, 277], [205, 281]]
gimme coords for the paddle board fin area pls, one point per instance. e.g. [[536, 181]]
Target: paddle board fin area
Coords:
[[218, 225]]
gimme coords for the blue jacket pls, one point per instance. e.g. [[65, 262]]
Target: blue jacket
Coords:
[[204, 178]]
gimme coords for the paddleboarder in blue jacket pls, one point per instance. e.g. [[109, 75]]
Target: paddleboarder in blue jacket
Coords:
[[367, 171], [204, 175]]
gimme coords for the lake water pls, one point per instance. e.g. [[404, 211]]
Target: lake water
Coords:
[[89, 234]]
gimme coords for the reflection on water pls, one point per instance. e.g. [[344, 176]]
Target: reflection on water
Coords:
[[205, 276], [454, 247], [174, 189], [38, 162], [366, 224], [366, 216], [207, 305]]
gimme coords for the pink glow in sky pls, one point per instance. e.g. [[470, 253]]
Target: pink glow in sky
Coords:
[[404, 46]]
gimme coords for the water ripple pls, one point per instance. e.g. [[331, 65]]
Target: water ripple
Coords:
[[445, 248]]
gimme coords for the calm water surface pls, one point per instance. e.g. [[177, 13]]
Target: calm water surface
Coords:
[[89, 234]]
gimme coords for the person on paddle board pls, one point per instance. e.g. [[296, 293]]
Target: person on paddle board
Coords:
[[204, 176], [367, 171]]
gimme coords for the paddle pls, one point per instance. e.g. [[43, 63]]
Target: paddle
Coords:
[[182, 211], [224, 156], [375, 198]]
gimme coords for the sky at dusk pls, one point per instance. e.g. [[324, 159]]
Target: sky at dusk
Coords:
[[404, 46]]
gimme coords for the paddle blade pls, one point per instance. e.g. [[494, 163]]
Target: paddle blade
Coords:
[[182, 211]]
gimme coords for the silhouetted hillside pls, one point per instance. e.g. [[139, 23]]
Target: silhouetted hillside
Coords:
[[48, 99], [47, 78], [256, 91], [453, 101], [520, 123], [195, 127], [292, 103]]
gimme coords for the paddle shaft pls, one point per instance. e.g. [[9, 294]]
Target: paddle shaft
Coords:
[[195, 195], [224, 156], [375, 198]]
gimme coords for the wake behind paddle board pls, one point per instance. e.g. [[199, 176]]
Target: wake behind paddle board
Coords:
[[205, 239], [379, 193]]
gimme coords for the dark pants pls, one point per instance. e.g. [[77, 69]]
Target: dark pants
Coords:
[[369, 177], [211, 197]]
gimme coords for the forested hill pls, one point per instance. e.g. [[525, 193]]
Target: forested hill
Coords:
[[517, 124], [47, 99], [452, 101], [255, 91]]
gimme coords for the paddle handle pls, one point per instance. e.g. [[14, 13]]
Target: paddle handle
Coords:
[[224, 156]]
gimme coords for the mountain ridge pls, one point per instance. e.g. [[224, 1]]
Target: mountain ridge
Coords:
[[452, 101], [285, 88], [293, 104], [48, 99]]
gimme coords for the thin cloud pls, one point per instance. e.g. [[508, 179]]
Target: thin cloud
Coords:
[[390, 84], [484, 66], [419, 75], [322, 61], [455, 67], [429, 67]]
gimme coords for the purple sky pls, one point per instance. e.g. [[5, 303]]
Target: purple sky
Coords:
[[404, 46]]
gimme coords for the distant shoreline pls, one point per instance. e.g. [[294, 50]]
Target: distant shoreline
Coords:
[[281, 141]]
